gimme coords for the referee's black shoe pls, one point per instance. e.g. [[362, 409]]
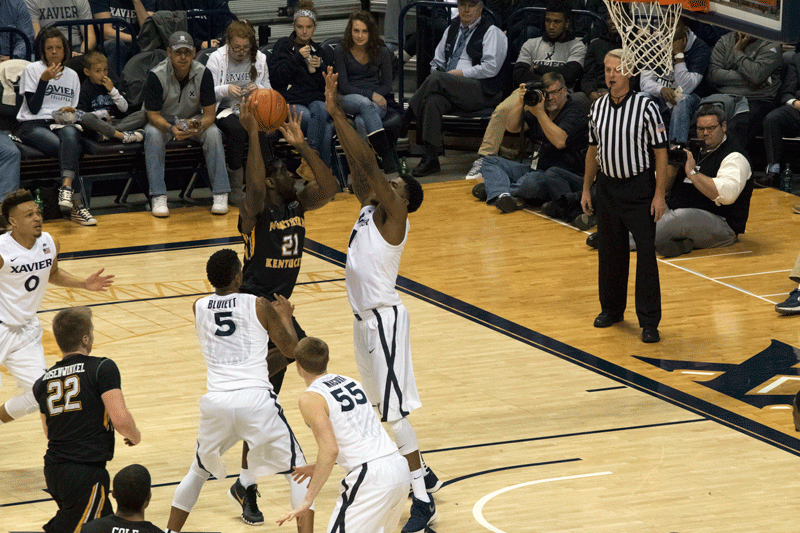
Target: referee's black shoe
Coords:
[[422, 514], [650, 334], [607, 319], [247, 498]]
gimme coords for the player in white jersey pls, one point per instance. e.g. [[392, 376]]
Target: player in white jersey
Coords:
[[28, 261], [381, 327], [348, 431], [234, 329]]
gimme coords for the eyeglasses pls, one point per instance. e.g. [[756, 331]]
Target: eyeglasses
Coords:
[[241, 48], [554, 92], [707, 130]]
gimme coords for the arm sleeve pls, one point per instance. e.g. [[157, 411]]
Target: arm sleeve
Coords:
[[119, 100], [385, 64], [719, 73], [570, 70], [649, 83], [35, 100], [590, 69], [207, 96], [574, 120], [495, 48], [153, 93], [108, 377], [685, 79], [733, 173], [33, 12]]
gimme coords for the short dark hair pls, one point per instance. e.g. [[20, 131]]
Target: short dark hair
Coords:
[[549, 78], [69, 327], [272, 165], [13, 199], [707, 110], [222, 267], [49, 33], [559, 6], [311, 354], [414, 193], [131, 488]]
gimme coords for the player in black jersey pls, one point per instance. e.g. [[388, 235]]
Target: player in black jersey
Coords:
[[272, 220], [132, 492], [81, 404]]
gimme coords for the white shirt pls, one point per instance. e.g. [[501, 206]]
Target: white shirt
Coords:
[[372, 265], [23, 277], [61, 92], [233, 341], [732, 176], [359, 434]]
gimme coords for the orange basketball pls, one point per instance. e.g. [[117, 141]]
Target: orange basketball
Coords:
[[271, 109]]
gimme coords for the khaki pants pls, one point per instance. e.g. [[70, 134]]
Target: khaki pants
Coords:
[[493, 137], [795, 274]]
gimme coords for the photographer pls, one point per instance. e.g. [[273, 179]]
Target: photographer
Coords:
[[557, 128], [710, 200]]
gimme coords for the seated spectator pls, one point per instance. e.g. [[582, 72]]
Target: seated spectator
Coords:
[[593, 82], [14, 13], [364, 65], [46, 12], [555, 51], [104, 107], [238, 69], [205, 30], [9, 166], [180, 103], [132, 491], [675, 94], [465, 76], [791, 306], [782, 122], [743, 65], [135, 12], [557, 127], [296, 66], [48, 86], [709, 203]]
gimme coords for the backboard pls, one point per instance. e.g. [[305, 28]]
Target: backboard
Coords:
[[774, 20]]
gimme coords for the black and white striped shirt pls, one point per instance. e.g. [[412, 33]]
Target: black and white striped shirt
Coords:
[[625, 134]]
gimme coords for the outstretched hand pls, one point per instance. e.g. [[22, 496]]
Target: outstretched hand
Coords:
[[331, 92], [282, 306], [288, 517], [247, 114], [96, 282], [291, 129], [301, 473]]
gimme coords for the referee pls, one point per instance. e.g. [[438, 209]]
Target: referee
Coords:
[[626, 138]]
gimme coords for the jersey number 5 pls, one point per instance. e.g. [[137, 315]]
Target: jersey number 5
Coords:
[[226, 325], [349, 401], [67, 390]]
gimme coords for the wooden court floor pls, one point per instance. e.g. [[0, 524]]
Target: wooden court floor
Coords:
[[536, 421]]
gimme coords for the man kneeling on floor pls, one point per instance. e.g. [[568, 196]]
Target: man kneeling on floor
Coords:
[[557, 127]]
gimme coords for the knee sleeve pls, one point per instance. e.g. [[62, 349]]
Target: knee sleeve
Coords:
[[19, 406], [404, 436], [298, 491], [189, 489]]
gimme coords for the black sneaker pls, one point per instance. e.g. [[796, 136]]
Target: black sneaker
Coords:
[[791, 306], [584, 222], [479, 191], [432, 483], [508, 204], [591, 241], [246, 497], [422, 514]]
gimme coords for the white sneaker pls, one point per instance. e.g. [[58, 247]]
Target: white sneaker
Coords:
[[82, 216], [158, 206], [475, 172], [220, 206]]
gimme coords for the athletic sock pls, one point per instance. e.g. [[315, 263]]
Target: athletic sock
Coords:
[[418, 485], [246, 478]]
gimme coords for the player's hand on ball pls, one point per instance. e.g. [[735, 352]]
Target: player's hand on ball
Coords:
[[301, 473], [96, 282], [291, 129], [247, 113]]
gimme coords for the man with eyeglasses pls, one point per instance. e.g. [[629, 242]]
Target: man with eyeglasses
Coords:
[[557, 128], [709, 202], [180, 103]]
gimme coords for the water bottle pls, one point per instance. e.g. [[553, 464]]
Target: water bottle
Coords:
[[37, 199], [786, 179], [404, 167]]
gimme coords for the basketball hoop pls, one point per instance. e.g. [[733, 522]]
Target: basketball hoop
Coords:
[[647, 28]]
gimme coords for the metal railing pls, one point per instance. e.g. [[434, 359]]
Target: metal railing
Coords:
[[118, 23], [15, 34]]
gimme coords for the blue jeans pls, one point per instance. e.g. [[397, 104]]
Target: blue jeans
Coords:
[[155, 150], [681, 118], [368, 114], [503, 176], [63, 144], [117, 54], [9, 166], [318, 130]]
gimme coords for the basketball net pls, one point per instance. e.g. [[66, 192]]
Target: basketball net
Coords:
[[647, 29]]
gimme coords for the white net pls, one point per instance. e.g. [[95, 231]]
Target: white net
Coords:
[[647, 29]]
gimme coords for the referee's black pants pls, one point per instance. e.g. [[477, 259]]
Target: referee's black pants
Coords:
[[623, 205]]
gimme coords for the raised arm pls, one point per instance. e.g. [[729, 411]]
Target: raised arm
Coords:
[[255, 175], [277, 320], [62, 278]]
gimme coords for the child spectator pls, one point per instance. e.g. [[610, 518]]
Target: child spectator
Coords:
[[49, 87], [100, 100]]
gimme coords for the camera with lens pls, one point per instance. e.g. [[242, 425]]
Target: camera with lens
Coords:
[[534, 93], [677, 156]]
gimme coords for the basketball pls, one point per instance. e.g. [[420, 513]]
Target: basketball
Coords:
[[271, 109]]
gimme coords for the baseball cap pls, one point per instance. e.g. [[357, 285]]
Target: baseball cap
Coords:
[[181, 39]]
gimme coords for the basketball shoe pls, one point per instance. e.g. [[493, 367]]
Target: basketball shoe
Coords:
[[247, 498], [422, 514]]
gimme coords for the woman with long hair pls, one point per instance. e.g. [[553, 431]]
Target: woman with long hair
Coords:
[[50, 87], [238, 69], [364, 65], [297, 64]]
